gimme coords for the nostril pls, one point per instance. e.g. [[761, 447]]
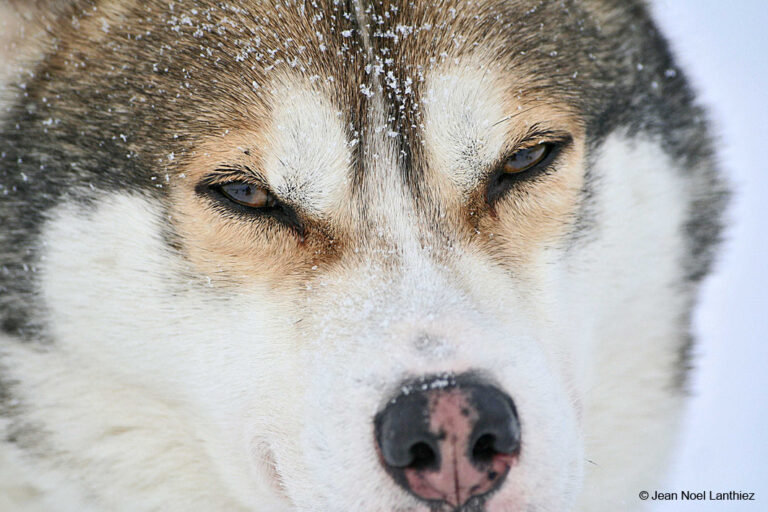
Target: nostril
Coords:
[[484, 449], [497, 431], [423, 456], [402, 433]]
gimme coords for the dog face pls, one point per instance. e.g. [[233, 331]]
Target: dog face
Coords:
[[353, 257]]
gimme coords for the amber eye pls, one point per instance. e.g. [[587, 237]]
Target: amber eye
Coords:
[[248, 195], [526, 159]]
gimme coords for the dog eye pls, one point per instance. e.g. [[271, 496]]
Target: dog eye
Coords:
[[249, 201], [247, 194], [526, 159], [522, 165]]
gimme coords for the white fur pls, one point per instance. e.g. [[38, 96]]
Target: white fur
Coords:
[[631, 405], [308, 160], [464, 124]]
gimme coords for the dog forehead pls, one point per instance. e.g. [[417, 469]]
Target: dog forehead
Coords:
[[352, 50], [367, 75], [406, 62]]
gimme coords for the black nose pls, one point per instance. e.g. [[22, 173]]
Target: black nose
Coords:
[[448, 439]]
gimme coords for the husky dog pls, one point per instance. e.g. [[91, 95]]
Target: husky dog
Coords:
[[345, 256]]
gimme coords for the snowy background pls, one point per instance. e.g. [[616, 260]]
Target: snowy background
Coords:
[[724, 48]]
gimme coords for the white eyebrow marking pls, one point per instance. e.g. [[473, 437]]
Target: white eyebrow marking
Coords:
[[464, 131], [308, 157]]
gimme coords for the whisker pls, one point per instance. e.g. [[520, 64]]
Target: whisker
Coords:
[[512, 116]]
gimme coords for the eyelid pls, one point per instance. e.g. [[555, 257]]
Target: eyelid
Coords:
[[224, 175], [538, 135]]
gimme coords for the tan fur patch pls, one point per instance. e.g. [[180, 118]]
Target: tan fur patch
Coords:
[[536, 214], [474, 118], [238, 248], [234, 249]]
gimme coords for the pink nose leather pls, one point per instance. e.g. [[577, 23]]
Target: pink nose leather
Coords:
[[458, 478]]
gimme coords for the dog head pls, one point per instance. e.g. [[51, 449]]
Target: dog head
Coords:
[[352, 256]]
